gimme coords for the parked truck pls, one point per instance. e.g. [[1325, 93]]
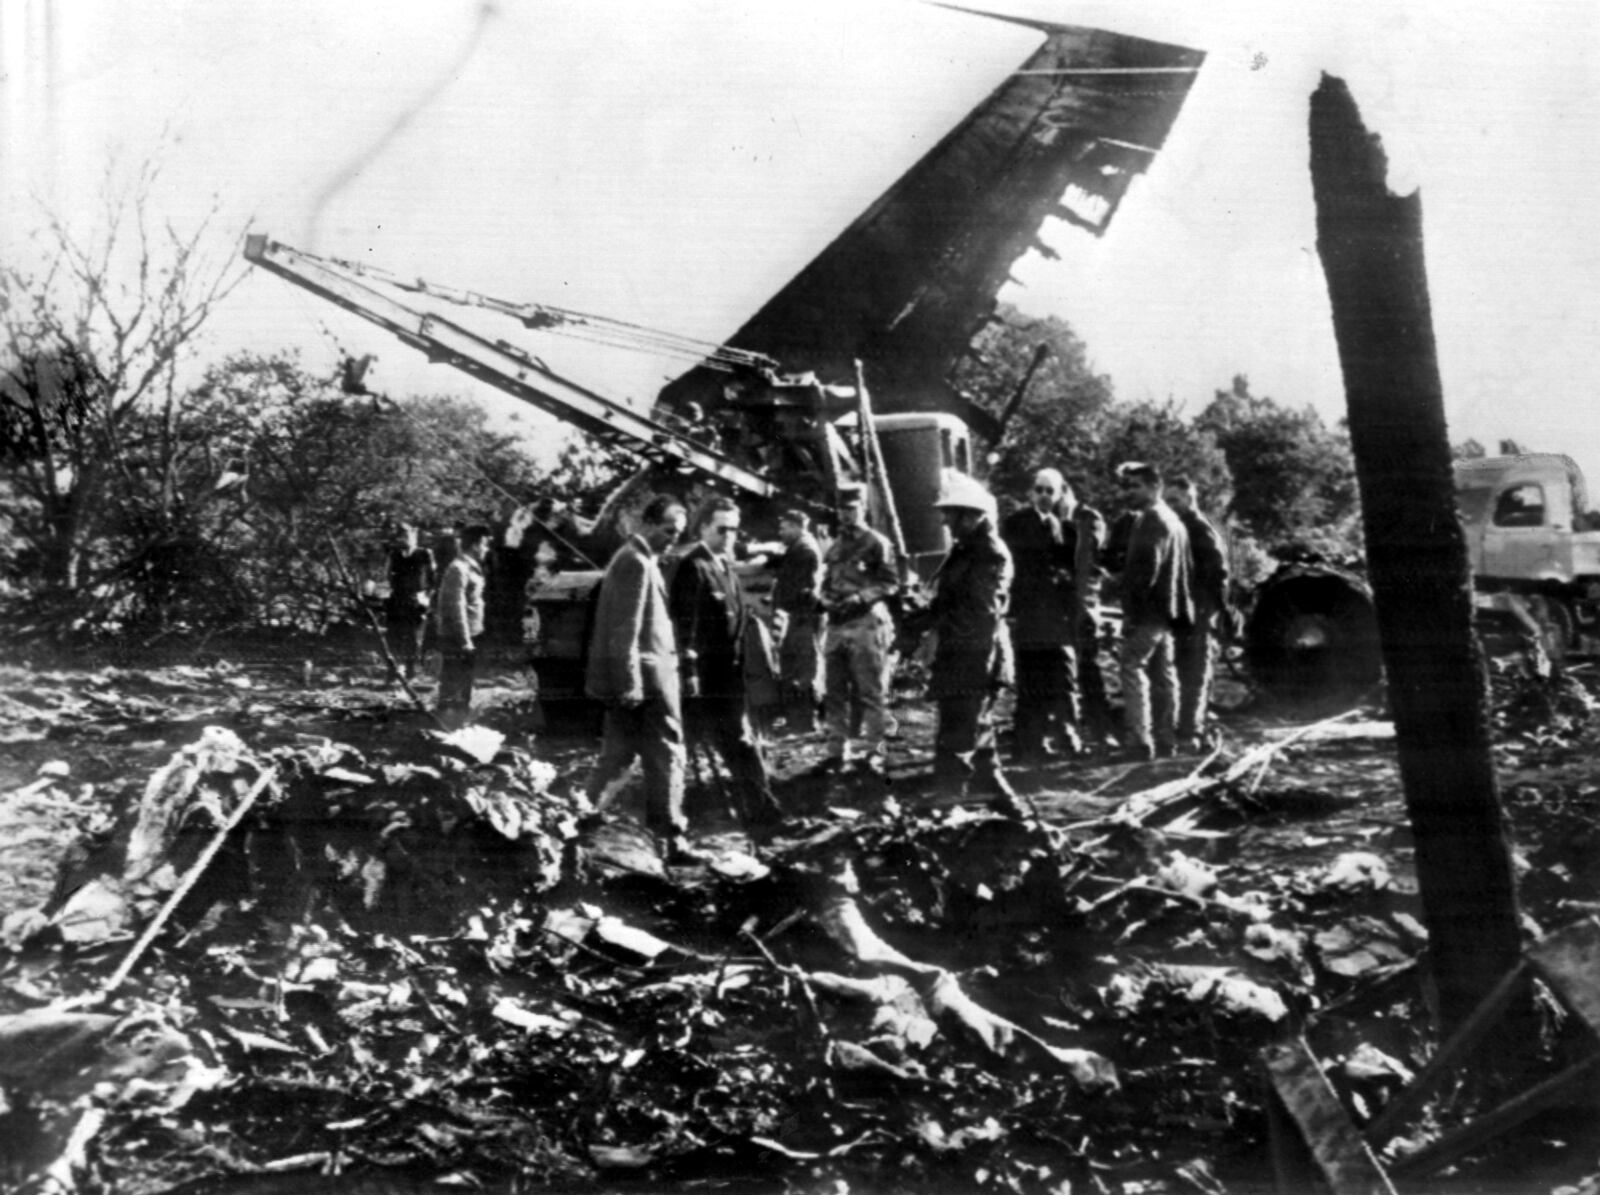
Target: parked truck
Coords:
[[1534, 545]]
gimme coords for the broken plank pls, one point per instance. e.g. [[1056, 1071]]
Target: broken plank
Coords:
[[1341, 1153]]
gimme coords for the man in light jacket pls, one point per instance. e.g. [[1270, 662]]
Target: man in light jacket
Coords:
[[633, 669], [459, 623]]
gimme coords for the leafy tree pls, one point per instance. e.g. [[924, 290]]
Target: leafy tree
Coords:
[[1157, 434], [1291, 474], [278, 461], [1066, 408]]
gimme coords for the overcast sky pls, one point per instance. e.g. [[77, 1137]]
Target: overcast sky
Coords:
[[674, 164]]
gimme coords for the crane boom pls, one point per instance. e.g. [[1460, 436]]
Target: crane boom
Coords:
[[501, 365]]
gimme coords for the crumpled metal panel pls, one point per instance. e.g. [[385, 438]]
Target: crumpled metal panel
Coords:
[[911, 281]]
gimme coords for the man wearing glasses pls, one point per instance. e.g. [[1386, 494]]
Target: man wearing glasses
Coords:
[[1043, 550], [711, 616]]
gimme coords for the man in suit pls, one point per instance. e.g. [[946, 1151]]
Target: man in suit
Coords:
[[710, 615], [411, 579], [633, 668], [1043, 549]]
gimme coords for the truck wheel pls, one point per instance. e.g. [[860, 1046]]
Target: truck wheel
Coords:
[[1556, 625]]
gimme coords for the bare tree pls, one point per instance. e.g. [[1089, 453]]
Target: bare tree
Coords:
[[94, 332]]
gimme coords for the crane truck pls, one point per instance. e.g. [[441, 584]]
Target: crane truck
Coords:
[[782, 440], [842, 376]]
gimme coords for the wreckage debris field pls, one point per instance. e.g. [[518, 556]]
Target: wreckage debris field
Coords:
[[388, 957]]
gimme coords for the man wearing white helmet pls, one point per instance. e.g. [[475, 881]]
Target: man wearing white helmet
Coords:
[[973, 659]]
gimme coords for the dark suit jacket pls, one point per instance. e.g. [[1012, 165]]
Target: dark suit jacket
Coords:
[[1042, 550], [633, 654], [709, 615]]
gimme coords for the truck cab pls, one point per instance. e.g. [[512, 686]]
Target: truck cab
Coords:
[[1533, 543], [916, 449]]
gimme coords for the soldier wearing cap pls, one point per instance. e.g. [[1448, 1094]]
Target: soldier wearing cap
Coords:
[[797, 621], [972, 661], [859, 576]]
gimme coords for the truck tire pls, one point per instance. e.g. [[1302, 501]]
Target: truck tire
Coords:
[[1557, 626]]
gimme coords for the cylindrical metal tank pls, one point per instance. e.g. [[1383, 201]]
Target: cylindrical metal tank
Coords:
[[1313, 635]]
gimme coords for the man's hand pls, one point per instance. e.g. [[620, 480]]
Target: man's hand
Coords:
[[846, 608], [780, 624]]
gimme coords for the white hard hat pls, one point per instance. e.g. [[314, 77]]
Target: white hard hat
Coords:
[[957, 489]]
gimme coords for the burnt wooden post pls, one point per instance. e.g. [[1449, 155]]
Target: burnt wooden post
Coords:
[[1371, 246]]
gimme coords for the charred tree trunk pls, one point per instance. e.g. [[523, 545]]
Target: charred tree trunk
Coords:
[[1371, 246]]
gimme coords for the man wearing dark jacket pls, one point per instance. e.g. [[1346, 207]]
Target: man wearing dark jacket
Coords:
[[1156, 603], [972, 661], [1195, 644], [710, 616], [411, 579], [1042, 550], [633, 669]]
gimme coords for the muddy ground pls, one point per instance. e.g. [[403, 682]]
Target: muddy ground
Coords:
[[1143, 941]]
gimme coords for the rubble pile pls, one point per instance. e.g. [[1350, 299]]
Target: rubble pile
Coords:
[[432, 958]]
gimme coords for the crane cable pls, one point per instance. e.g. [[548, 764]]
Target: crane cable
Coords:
[[563, 321]]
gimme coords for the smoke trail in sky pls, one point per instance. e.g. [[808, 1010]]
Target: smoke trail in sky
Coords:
[[353, 168]]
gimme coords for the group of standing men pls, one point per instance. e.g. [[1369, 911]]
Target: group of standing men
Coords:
[[664, 657], [673, 651], [1174, 581], [1166, 562], [672, 654], [449, 603]]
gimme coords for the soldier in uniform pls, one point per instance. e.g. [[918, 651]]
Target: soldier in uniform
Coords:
[[859, 575], [1196, 645], [797, 622], [972, 661]]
